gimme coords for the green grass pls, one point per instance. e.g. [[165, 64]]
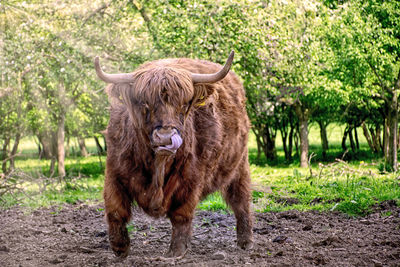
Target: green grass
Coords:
[[340, 187], [353, 187], [213, 202], [84, 182]]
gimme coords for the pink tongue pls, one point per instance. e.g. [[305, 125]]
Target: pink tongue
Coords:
[[176, 143]]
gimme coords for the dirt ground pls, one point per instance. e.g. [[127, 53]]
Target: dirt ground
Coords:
[[75, 235]]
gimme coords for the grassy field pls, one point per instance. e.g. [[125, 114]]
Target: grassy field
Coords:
[[352, 187]]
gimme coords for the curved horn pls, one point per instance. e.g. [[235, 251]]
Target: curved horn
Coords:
[[214, 77], [112, 78]]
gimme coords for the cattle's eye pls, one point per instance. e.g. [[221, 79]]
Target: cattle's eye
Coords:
[[144, 106], [184, 108], [145, 110], [183, 112]]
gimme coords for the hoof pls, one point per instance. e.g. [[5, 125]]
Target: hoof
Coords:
[[177, 249], [120, 242], [121, 252], [176, 254], [245, 244]]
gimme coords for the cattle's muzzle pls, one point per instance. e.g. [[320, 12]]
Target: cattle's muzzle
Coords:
[[166, 140]]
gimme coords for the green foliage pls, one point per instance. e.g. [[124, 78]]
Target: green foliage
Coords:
[[335, 61]]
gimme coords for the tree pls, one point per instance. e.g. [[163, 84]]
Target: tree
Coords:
[[296, 62], [13, 123], [365, 36]]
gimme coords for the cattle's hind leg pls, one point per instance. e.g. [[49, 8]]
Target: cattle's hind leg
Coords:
[[118, 213], [238, 196]]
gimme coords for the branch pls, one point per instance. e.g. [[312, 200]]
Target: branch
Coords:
[[5, 92], [397, 84], [98, 10], [74, 98], [147, 20], [384, 88], [142, 12], [11, 157], [309, 164]]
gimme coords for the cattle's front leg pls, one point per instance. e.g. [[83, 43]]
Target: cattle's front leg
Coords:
[[181, 234], [118, 213]]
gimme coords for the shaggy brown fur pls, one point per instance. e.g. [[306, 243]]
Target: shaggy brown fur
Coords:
[[212, 121]]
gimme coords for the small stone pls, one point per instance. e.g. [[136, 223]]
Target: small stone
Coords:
[[279, 254], [55, 261], [219, 255], [4, 249], [280, 239], [377, 263], [100, 234]]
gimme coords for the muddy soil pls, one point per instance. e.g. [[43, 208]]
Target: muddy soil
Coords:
[[75, 235]]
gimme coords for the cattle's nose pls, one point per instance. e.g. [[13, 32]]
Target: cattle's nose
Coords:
[[162, 135]]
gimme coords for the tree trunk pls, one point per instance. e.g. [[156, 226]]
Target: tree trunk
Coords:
[[344, 147], [398, 139], [60, 146], [284, 135], [290, 142], [39, 150], [350, 133], [258, 147], [296, 141], [14, 151], [259, 144], [45, 139], [105, 143], [82, 147], [99, 148], [303, 131], [392, 135], [67, 146], [4, 154], [52, 166], [368, 137], [303, 142], [376, 138], [324, 138], [386, 139], [356, 138], [269, 144]]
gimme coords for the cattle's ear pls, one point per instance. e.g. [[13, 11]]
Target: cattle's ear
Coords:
[[116, 92], [202, 93]]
